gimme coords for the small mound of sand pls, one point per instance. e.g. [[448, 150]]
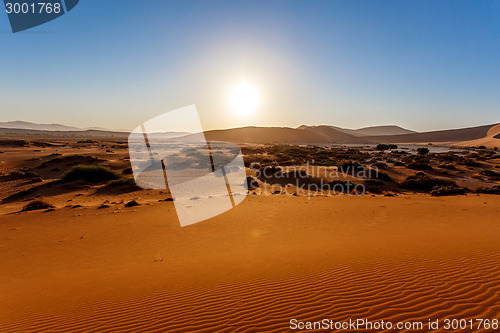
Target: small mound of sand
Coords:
[[37, 205], [132, 203]]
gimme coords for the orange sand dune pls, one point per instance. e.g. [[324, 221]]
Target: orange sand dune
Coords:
[[252, 269]]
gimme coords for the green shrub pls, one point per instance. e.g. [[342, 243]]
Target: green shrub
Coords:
[[89, 174]]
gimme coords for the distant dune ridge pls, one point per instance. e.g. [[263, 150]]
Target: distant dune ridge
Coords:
[[486, 135], [368, 131]]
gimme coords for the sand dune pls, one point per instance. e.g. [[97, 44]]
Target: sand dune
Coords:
[[491, 140], [321, 134], [253, 269], [368, 131], [463, 134]]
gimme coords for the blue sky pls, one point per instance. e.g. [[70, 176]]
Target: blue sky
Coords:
[[420, 64]]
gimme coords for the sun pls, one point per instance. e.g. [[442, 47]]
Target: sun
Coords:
[[244, 99]]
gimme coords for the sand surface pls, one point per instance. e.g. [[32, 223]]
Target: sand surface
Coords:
[[252, 269]]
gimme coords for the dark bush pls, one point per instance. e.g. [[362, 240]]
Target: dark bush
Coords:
[[382, 146], [127, 171], [422, 151], [123, 181], [89, 174], [467, 161], [422, 181], [490, 174], [447, 166], [252, 183], [489, 190], [70, 160], [419, 166], [443, 190], [87, 141], [373, 182], [380, 165]]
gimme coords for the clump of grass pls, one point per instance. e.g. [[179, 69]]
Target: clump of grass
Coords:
[[422, 181], [37, 205], [122, 181], [69, 159], [89, 174], [443, 190]]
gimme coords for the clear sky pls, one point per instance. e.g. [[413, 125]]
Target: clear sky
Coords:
[[420, 64]]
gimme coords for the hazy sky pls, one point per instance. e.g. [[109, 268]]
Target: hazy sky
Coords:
[[423, 65]]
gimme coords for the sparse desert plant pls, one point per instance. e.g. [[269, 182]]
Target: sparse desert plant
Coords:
[[87, 141], [348, 165], [373, 185], [381, 176], [467, 161], [37, 205], [382, 146], [419, 166], [490, 174], [69, 160], [252, 183], [127, 171], [489, 190], [442, 190], [89, 174], [423, 151], [422, 181], [380, 165], [447, 166], [16, 175], [123, 181]]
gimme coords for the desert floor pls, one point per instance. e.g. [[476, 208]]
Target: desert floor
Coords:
[[271, 259]]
